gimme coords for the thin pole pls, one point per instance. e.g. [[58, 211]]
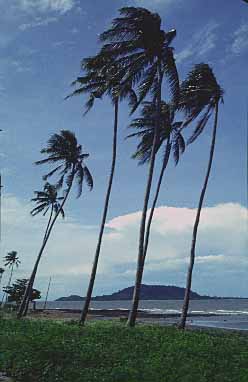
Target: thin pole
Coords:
[[48, 288]]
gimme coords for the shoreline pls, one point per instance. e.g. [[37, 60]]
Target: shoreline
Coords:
[[124, 313], [198, 321]]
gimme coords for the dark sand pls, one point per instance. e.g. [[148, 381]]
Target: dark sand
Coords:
[[230, 322]]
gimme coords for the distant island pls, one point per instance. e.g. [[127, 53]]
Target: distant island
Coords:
[[148, 292]]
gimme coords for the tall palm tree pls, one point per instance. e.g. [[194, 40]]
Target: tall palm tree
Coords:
[[169, 134], [45, 200], [2, 270], [132, 43], [11, 261], [62, 149], [138, 42], [103, 76], [200, 98]]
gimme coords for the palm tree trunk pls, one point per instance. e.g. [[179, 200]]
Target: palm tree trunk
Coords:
[[24, 309], [48, 289], [104, 217], [9, 282], [49, 222], [28, 291], [185, 307], [140, 263], [148, 228]]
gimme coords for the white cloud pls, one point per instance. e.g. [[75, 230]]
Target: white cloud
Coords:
[[202, 42], [240, 40], [38, 22], [60, 6], [221, 248]]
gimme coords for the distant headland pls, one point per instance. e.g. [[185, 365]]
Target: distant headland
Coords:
[[148, 292]]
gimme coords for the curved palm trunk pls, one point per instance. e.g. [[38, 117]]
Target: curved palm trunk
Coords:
[[9, 282], [149, 222], [24, 304], [1, 276], [104, 217], [24, 309], [140, 263], [185, 307], [49, 222]]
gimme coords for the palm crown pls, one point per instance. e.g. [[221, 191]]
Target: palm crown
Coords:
[[46, 199], [199, 94], [11, 259], [145, 125], [103, 76], [138, 45], [64, 149]]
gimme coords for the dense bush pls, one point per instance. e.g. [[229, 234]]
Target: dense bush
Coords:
[[42, 351]]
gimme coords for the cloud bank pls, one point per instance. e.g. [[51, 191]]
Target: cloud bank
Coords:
[[221, 266]]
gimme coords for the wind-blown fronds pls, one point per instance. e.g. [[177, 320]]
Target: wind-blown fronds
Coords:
[[63, 148], [145, 126], [11, 259], [46, 199], [199, 93]]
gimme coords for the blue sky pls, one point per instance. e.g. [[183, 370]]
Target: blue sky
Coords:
[[41, 45]]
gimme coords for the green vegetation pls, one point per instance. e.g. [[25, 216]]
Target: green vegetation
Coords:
[[16, 292], [111, 352]]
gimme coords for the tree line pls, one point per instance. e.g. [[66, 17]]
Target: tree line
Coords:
[[135, 63]]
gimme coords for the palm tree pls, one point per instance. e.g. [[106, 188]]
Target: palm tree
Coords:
[[200, 98], [103, 76], [129, 45], [170, 132], [137, 41], [45, 200], [11, 261], [64, 150]]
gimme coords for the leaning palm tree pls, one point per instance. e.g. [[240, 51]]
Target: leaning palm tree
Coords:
[[139, 43], [170, 138], [200, 98], [45, 200], [102, 77], [11, 261], [62, 149], [132, 44]]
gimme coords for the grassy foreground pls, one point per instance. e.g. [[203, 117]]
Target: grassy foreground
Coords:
[[33, 351]]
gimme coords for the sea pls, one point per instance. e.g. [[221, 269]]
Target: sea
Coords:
[[221, 313]]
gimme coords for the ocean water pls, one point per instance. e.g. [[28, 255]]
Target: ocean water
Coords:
[[228, 314], [212, 306]]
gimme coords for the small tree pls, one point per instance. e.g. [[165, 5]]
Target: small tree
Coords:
[[16, 292], [11, 261]]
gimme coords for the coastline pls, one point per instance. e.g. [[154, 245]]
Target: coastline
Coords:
[[237, 323]]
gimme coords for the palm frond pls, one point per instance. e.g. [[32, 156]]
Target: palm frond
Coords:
[[88, 178], [45, 177], [199, 127], [170, 70]]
